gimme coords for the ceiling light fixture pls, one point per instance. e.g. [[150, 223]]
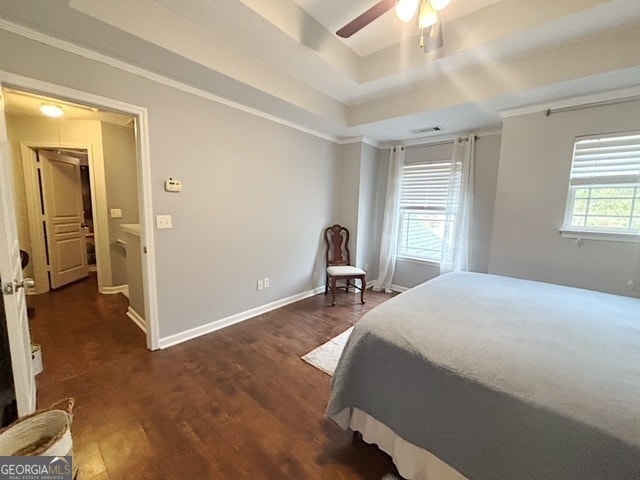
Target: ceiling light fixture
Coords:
[[53, 111], [406, 9], [431, 37], [428, 15], [428, 20], [439, 4]]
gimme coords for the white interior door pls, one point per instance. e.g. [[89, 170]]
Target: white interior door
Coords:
[[64, 217], [13, 293]]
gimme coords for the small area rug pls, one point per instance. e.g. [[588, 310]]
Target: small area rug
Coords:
[[326, 356]]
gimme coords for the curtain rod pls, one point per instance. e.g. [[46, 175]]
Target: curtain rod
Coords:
[[441, 142], [549, 111]]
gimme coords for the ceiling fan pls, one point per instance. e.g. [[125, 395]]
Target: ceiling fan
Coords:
[[428, 19]]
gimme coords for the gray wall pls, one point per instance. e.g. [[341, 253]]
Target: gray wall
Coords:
[[357, 208], [348, 192], [531, 193], [368, 227], [119, 150], [486, 178], [410, 273], [256, 194]]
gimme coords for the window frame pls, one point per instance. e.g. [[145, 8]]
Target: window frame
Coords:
[[591, 232], [449, 216]]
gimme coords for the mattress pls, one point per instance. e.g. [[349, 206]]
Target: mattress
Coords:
[[501, 377]]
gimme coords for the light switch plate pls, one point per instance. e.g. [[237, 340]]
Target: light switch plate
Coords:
[[163, 221], [116, 213]]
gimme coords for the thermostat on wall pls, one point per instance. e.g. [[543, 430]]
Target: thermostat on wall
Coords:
[[172, 185]]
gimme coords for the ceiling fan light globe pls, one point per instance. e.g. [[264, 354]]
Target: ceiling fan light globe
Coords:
[[428, 16], [438, 5], [406, 9]]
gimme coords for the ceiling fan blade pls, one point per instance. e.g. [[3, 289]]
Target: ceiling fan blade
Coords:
[[366, 18], [433, 39]]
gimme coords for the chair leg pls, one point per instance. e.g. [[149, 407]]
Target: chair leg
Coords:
[[364, 285], [326, 284], [333, 291]]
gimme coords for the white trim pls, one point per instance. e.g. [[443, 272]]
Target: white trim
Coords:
[[34, 219], [419, 261], [124, 289], [233, 319], [137, 319], [569, 102], [398, 288], [449, 138], [361, 139], [98, 201], [144, 179], [580, 235], [147, 237], [127, 67]]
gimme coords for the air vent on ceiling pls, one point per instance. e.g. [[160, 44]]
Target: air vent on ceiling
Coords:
[[425, 130]]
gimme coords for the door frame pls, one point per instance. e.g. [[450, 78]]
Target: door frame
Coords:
[[35, 193], [36, 230], [143, 161], [15, 307]]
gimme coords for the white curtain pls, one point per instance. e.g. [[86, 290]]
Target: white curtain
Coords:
[[390, 222], [456, 244]]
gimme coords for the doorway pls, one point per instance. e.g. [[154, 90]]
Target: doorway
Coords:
[[15, 307], [65, 211], [97, 155]]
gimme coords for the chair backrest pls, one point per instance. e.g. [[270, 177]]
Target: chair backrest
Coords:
[[337, 240]]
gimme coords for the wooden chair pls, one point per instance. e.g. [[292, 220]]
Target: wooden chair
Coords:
[[339, 263]]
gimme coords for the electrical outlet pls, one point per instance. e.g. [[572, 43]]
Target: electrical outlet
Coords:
[[266, 283], [163, 221], [260, 284]]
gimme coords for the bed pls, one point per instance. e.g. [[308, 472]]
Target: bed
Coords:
[[486, 377]]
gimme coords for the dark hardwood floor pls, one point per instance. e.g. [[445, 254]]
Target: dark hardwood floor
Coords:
[[235, 404]]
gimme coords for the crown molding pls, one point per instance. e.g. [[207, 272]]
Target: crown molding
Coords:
[[426, 141], [360, 139], [593, 99], [129, 68]]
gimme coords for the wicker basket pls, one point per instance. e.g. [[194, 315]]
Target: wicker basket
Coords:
[[43, 433]]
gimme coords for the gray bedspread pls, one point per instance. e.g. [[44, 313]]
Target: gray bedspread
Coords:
[[502, 378]]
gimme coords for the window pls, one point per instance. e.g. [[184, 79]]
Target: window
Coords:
[[604, 187], [424, 211]]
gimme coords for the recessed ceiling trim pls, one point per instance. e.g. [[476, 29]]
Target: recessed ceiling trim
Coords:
[[570, 102], [129, 68]]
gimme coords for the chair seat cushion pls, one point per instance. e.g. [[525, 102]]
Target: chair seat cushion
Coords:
[[344, 271]]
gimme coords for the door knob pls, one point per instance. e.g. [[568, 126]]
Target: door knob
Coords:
[[9, 288], [25, 283]]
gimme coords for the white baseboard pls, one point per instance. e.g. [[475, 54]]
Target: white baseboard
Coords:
[[124, 289], [137, 319], [233, 319], [398, 288]]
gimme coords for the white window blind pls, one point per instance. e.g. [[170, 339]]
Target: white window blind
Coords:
[[424, 200], [606, 160], [425, 186], [604, 186]]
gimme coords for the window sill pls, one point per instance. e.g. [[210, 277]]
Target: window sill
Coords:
[[421, 261], [603, 236]]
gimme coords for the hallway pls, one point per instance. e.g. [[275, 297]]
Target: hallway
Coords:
[[238, 403]]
